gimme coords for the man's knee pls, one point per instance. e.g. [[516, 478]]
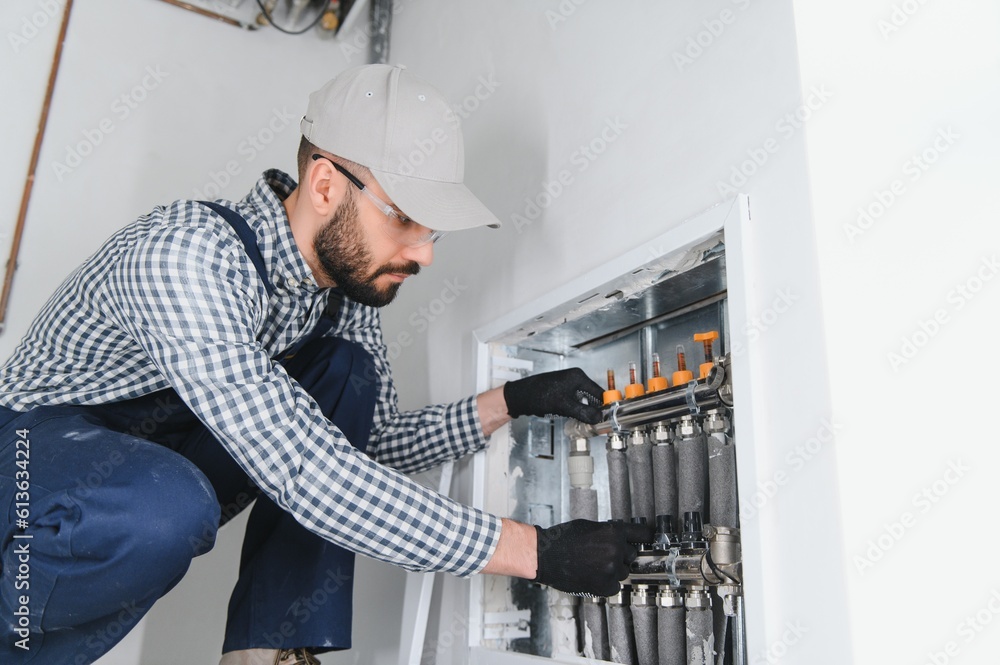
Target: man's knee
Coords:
[[167, 512], [186, 508]]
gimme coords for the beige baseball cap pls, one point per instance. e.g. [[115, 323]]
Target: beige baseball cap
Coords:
[[389, 120]]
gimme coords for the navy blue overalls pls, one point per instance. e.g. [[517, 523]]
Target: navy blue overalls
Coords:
[[123, 495]]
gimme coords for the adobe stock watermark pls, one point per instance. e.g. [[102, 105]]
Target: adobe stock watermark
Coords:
[[359, 41], [224, 5], [779, 649], [795, 460], [580, 160], [204, 542], [485, 87], [968, 629], [697, 44], [121, 109], [766, 319], [304, 607], [928, 328], [786, 127], [248, 148], [913, 169], [447, 638], [93, 477], [33, 24], [900, 15], [923, 502], [562, 12], [423, 316], [20, 547], [424, 148], [102, 639], [419, 321]]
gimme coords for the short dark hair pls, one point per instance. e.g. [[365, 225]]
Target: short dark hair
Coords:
[[307, 150]]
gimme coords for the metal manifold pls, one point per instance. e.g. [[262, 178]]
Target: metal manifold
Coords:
[[671, 463]]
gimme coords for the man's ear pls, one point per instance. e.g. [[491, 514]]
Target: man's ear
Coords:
[[324, 186]]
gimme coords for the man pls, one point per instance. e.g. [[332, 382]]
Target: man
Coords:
[[213, 353]]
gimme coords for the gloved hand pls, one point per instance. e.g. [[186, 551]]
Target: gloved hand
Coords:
[[588, 557], [559, 393]]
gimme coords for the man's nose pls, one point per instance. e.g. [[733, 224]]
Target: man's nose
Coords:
[[423, 255]]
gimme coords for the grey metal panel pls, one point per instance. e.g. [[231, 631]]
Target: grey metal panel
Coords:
[[673, 292], [677, 304]]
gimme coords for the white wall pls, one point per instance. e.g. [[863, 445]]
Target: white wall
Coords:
[[219, 85], [878, 97], [905, 78], [558, 82]]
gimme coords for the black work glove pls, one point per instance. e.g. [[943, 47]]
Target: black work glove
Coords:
[[560, 393], [588, 557]]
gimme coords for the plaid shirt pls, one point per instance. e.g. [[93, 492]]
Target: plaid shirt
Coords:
[[173, 300]]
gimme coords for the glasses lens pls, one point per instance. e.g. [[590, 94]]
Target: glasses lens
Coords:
[[403, 229], [409, 233]]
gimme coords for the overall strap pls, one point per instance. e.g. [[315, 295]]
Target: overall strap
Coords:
[[248, 237], [325, 324]]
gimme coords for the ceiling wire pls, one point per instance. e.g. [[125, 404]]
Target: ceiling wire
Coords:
[[313, 24]]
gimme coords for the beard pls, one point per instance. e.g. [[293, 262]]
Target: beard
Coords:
[[341, 250]]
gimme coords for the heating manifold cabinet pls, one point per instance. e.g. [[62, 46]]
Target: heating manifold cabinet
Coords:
[[657, 332]]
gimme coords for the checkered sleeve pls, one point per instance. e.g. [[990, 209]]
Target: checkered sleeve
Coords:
[[194, 305], [410, 441]]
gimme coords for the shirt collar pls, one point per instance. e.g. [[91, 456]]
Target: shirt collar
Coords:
[[265, 213]]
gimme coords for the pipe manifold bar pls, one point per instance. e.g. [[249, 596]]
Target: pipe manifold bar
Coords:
[[687, 399], [717, 563]]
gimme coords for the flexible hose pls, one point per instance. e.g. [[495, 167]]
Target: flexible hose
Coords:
[[665, 480], [595, 631], [672, 635], [621, 634], [723, 510], [645, 627], [621, 498], [700, 640], [640, 475], [692, 475]]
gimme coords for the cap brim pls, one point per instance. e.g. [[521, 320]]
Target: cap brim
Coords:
[[442, 206]]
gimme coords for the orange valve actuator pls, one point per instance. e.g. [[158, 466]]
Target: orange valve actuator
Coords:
[[657, 382], [634, 387], [682, 375], [706, 338], [612, 395]]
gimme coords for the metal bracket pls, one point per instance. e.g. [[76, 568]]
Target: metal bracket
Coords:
[[690, 398], [615, 425], [506, 625]]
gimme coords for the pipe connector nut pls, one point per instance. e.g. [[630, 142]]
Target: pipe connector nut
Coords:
[[687, 429], [661, 434], [715, 422]]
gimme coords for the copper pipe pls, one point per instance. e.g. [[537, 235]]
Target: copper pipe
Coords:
[[29, 184], [210, 14], [39, 136]]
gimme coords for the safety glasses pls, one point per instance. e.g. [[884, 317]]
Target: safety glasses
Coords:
[[396, 225]]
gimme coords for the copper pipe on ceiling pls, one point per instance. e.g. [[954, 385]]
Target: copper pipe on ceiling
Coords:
[[29, 183], [210, 14]]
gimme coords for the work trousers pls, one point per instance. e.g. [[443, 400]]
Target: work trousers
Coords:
[[102, 509]]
